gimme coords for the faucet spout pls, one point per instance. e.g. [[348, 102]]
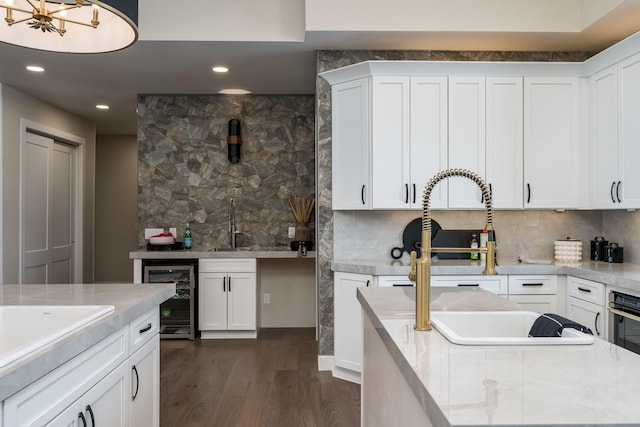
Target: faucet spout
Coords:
[[421, 269], [232, 223]]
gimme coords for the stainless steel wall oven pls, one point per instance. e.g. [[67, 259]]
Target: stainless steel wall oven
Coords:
[[178, 313], [624, 320]]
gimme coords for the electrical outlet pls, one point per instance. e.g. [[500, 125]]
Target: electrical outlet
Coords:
[[292, 232], [267, 298]]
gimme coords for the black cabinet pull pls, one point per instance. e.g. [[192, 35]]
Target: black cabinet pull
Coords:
[[613, 184], [618, 192], [224, 284], [84, 420], [229, 283], [596, 323], [584, 290], [362, 194], [145, 329], [528, 193], [135, 394], [468, 284], [400, 285], [93, 420], [414, 192], [367, 285], [406, 193], [533, 284]]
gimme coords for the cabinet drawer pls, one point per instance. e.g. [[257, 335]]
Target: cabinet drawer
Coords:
[[586, 290], [495, 284], [533, 285], [44, 399], [143, 329], [227, 265]]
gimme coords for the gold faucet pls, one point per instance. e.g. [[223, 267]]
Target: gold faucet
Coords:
[[421, 270]]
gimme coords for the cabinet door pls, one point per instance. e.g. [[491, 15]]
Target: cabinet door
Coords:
[[241, 305], [347, 332], [429, 135], [145, 385], [504, 144], [212, 301], [629, 147], [551, 113], [603, 153], [588, 314], [350, 144], [466, 139], [106, 404], [390, 175]]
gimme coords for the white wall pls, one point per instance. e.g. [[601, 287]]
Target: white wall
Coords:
[[14, 106]]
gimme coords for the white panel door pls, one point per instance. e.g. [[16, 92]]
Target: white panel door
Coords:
[[466, 139], [241, 305], [603, 159], [587, 314], [47, 223], [350, 145], [504, 141], [145, 385], [36, 207], [628, 190], [551, 151], [390, 174], [429, 138], [212, 301]]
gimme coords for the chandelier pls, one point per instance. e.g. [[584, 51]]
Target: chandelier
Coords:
[[82, 26]]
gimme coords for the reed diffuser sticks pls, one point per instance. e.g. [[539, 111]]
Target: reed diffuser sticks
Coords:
[[301, 209]]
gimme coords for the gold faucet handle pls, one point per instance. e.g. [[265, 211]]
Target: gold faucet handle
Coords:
[[413, 271]]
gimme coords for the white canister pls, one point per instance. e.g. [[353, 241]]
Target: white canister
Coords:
[[568, 250]]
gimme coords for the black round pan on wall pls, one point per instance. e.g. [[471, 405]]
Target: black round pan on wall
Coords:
[[412, 238]]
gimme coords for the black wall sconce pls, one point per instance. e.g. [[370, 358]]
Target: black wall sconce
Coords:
[[234, 141]]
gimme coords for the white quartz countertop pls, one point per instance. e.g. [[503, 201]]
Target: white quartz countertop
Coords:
[[130, 301], [623, 275], [259, 253], [457, 385]]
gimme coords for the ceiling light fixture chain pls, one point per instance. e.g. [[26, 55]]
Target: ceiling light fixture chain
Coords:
[[39, 17]]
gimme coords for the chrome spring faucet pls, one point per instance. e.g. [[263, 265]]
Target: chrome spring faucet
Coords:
[[232, 224], [421, 270]]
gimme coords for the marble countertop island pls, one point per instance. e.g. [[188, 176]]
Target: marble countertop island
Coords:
[[130, 302], [458, 385]]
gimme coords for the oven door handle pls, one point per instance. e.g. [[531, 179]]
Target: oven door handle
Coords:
[[624, 314]]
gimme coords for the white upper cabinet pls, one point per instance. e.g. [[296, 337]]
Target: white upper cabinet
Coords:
[[428, 138], [504, 141], [551, 149], [467, 100], [627, 191], [390, 140], [350, 145]]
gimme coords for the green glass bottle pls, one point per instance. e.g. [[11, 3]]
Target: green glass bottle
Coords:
[[188, 238]]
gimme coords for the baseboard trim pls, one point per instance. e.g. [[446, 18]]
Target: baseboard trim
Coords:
[[325, 363], [347, 375], [216, 335]]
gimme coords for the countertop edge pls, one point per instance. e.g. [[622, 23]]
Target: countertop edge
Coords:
[[194, 254]]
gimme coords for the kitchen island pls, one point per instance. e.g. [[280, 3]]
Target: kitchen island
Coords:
[[41, 384], [420, 378]]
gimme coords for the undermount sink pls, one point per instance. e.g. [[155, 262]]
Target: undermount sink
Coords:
[[230, 249], [248, 248], [27, 328], [498, 328]]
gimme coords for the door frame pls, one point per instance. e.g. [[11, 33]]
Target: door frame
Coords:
[[78, 168]]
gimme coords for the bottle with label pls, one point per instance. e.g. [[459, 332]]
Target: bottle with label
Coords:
[[474, 245], [484, 238], [188, 241]]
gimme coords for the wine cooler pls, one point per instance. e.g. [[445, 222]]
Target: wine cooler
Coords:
[[177, 314]]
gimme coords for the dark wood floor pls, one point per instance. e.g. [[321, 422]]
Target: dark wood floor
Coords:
[[271, 381]]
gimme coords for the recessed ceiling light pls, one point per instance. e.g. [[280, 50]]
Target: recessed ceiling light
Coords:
[[102, 107], [220, 69], [35, 68], [234, 92]]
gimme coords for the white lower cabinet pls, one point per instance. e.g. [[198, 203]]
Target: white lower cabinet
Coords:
[[347, 339], [586, 304], [95, 387], [227, 298], [537, 293]]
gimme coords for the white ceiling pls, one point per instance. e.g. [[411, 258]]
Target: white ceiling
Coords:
[[77, 82]]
